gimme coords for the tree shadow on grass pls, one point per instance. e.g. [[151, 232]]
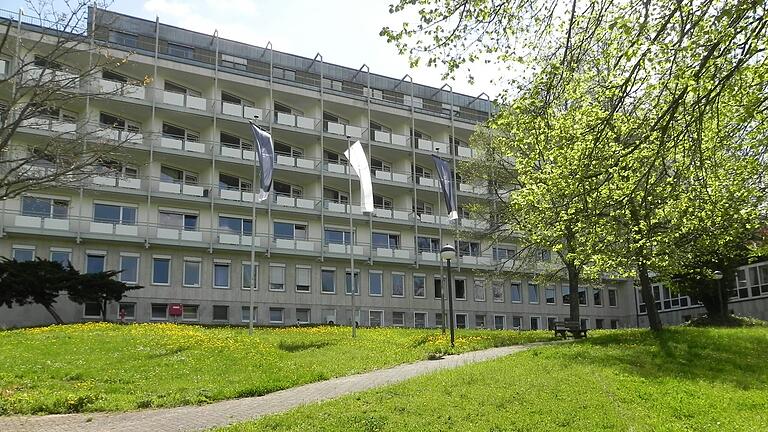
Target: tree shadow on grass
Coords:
[[730, 356], [293, 347]]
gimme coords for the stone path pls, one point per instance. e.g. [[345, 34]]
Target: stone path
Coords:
[[201, 417]]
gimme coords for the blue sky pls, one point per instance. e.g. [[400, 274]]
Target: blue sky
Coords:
[[345, 32]]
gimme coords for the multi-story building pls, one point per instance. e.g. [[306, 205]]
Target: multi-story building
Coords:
[[177, 213]]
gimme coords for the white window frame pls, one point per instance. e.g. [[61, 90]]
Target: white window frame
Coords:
[[499, 284], [616, 296], [85, 307], [504, 319], [299, 269], [184, 310], [14, 248], [602, 297], [309, 315], [222, 262], [538, 293], [456, 319], [392, 284], [475, 290], [538, 318], [455, 295], [381, 283], [252, 311], [328, 269], [243, 264], [170, 271], [379, 311], [424, 286], [519, 291], [394, 324], [54, 250], [426, 319], [95, 253], [282, 315], [276, 266], [138, 267], [199, 262], [152, 318]]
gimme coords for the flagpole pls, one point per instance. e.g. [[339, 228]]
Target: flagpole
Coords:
[[252, 276], [351, 240], [439, 219]]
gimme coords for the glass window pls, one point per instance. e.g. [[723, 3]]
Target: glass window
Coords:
[[386, 241], [479, 290], [375, 318], [92, 310], [276, 278], [551, 323], [517, 322], [566, 291], [62, 257], [499, 322], [220, 313], [303, 277], [438, 283], [461, 321], [498, 292], [180, 51], [94, 263], [125, 39], [398, 319], [221, 275], [245, 315], [328, 281], [127, 310], [597, 296], [336, 236], [191, 273], [533, 293], [303, 316], [159, 311], [246, 272], [284, 230], [460, 289], [612, 300], [189, 312], [428, 244], [468, 249], [420, 320], [374, 283], [235, 225], [550, 294], [276, 315], [583, 296], [517, 296], [418, 286], [23, 254], [480, 321], [129, 264], [535, 323], [398, 285], [44, 207], [161, 271], [348, 282]]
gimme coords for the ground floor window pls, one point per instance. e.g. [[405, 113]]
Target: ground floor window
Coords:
[[375, 318], [220, 313], [439, 319], [245, 315], [535, 325], [614, 324], [499, 322], [127, 311], [276, 315], [189, 313], [303, 316], [159, 311], [517, 322], [419, 319], [461, 320], [480, 321], [398, 318], [551, 323], [599, 323], [92, 310]]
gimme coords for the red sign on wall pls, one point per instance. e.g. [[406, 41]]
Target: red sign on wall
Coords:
[[175, 309]]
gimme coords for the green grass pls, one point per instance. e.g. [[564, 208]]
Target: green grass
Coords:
[[684, 379], [108, 367]]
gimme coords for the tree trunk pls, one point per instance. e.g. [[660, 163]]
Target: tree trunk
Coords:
[[104, 310], [54, 314], [573, 287], [654, 320]]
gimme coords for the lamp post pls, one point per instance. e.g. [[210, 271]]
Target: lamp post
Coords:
[[448, 253], [718, 276]]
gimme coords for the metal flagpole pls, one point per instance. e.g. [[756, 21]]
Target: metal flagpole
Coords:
[[439, 220], [351, 240]]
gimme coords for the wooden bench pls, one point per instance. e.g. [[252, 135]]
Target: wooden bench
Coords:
[[562, 328]]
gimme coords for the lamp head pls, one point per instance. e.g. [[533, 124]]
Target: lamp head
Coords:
[[717, 275], [448, 252]]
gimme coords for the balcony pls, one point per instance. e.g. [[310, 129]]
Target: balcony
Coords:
[[432, 219], [243, 111], [343, 130], [295, 121], [178, 234], [465, 152], [298, 162], [334, 206], [179, 143], [427, 182], [37, 76], [236, 152], [113, 229], [389, 213], [178, 188], [236, 195], [118, 135], [476, 260], [230, 238], [40, 222], [343, 249], [474, 224], [431, 146], [114, 88], [430, 256], [385, 252], [390, 138], [119, 182], [184, 100], [296, 202], [468, 188], [337, 168], [50, 124], [391, 176], [295, 244]]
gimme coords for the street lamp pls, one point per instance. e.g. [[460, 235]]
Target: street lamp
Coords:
[[718, 276], [448, 253]]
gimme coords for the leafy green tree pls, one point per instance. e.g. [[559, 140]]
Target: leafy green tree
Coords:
[[101, 288], [39, 282]]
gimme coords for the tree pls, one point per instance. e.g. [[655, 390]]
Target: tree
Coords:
[[54, 72], [39, 282], [99, 288]]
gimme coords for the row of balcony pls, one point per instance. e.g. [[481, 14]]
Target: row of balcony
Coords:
[[225, 238]]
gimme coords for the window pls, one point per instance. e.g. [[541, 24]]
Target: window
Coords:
[[235, 142], [375, 283], [419, 319], [549, 293], [159, 311], [428, 244], [460, 289], [379, 165], [612, 300], [336, 236], [229, 182], [303, 277], [290, 231], [535, 323], [328, 280], [234, 62], [375, 318], [479, 290], [566, 291], [114, 214], [64, 257], [499, 322], [246, 273], [533, 293], [129, 264], [22, 254], [127, 310], [583, 296], [173, 175], [599, 323], [381, 202], [220, 313], [181, 51], [398, 285], [503, 253], [597, 296], [276, 277], [288, 150], [348, 282], [332, 84], [302, 316], [287, 74], [276, 315], [420, 172], [398, 319], [111, 121], [461, 321], [161, 270], [175, 220], [517, 322], [192, 272], [334, 196], [551, 323], [92, 310], [584, 323], [189, 312], [480, 321], [44, 207], [498, 292], [125, 39], [94, 262], [419, 282], [245, 315], [438, 283], [287, 190], [221, 275], [178, 132], [386, 241], [517, 295], [235, 225], [468, 249], [614, 324]]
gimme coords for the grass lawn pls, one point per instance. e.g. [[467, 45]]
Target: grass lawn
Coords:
[[110, 367], [685, 379]]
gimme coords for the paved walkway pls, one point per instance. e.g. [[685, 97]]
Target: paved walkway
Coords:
[[200, 417]]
